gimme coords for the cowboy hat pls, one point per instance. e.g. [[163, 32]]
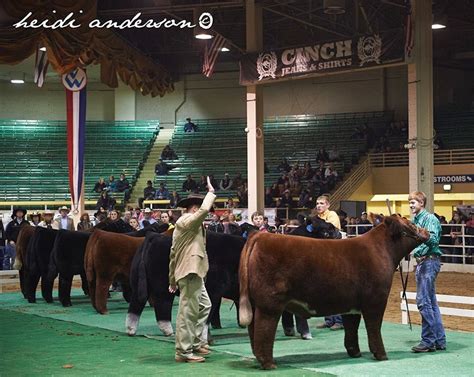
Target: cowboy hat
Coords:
[[147, 210], [192, 199], [48, 212], [15, 210], [63, 208], [35, 213]]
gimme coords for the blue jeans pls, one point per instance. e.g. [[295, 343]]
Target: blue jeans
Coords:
[[432, 330], [332, 320], [9, 253]]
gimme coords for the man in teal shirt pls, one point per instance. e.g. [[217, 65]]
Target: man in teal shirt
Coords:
[[428, 266]]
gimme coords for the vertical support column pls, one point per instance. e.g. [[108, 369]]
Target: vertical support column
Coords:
[[255, 140], [420, 104]]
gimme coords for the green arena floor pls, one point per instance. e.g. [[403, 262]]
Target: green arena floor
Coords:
[[46, 339]]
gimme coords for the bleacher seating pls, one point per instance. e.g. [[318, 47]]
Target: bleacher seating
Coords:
[[455, 128], [34, 162], [219, 146]]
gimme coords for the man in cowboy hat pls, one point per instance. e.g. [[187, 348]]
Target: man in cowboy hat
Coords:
[[188, 267], [11, 233], [65, 222], [35, 218], [48, 220], [147, 218]]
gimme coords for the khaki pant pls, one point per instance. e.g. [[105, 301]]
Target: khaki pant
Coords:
[[194, 308]]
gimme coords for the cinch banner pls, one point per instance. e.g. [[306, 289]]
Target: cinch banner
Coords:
[[76, 95], [350, 54]]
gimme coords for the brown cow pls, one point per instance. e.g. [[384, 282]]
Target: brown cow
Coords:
[[108, 258], [312, 277], [24, 237]]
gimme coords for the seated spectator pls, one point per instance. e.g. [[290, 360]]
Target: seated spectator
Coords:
[[189, 185], [278, 203], [214, 183], [364, 220], [304, 200], [230, 204], [351, 230], [112, 184], [330, 176], [127, 215], [124, 186], [237, 182], [162, 168], [342, 219], [99, 186], [84, 222], [322, 155], [268, 197], [334, 154], [230, 225], [202, 185], [174, 199], [162, 193], [168, 153], [134, 223], [284, 166], [287, 200], [216, 225], [242, 194], [147, 218], [189, 126], [105, 201], [381, 145], [148, 193], [307, 170], [226, 182], [114, 215]]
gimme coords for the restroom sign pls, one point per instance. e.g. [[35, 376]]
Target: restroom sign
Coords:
[[458, 178]]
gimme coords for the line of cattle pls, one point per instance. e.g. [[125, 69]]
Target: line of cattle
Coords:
[[140, 260]]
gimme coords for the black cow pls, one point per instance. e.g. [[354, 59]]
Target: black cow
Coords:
[[67, 256], [149, 276], [36, 262]]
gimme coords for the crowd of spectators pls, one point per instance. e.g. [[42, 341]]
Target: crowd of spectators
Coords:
[[111, 186]]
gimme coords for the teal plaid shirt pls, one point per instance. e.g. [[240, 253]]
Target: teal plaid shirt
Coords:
[[426, 220]]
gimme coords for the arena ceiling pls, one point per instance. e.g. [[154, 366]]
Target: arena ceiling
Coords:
[[286, 23]]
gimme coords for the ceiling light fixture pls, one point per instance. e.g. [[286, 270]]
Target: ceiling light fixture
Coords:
[[225, 49], [201, 20], [42, 48], [439, 22], [334, 6]]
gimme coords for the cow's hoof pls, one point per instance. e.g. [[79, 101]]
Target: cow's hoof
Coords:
[[382, 357], [103, 312], [354, 353], [269, 366], [166, 328], [131, 324], [66, 304], [32, 300]]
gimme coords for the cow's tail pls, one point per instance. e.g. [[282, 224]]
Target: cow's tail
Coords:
[[89, 258], [142, 286], [245, 306]]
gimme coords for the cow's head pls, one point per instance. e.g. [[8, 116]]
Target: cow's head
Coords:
[[399, 227], [320, 228]]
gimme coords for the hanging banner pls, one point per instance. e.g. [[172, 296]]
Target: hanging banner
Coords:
[[76, 96], [350, 54]]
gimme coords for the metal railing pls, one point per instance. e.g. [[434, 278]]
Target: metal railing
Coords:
[[461, 252], [441, 157]]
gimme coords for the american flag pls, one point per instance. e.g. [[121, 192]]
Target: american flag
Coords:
[[210, 54], [41, 66], [409, 32]]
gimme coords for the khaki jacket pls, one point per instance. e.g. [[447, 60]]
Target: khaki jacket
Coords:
[[188, 250], [70, 224]]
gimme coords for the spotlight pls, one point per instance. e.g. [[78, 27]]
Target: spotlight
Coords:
[[42, 48], [439, 22], [225, 49]]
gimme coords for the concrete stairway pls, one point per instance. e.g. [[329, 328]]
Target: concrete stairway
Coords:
[[148, 171]]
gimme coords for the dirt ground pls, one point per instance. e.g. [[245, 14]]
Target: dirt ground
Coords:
[[449, 283]]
